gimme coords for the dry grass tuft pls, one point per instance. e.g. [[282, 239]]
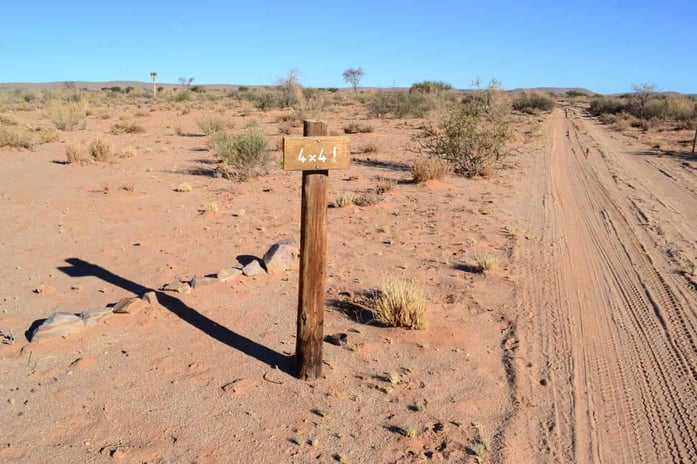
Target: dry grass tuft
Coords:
[[384, 184], [73, 154], [15, 137], [129, 151], [211, 124], [401, 303], [425, 168], [212, 207], [101, 151], [344, 199], [67, 116], [487, 263], [184, 187], [126, 127]]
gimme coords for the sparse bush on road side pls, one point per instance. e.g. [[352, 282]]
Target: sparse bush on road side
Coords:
[[533, 101], [471, 135], [243, 155]]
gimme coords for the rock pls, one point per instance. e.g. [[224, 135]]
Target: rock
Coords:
[[91, 317], [282, 256], [252, 269], [177, 286], [57, 325], [232, 273], [129, 306], [239, 213], [150, 298], [201, 281]]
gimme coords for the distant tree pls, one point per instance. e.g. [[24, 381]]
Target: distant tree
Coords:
[[70, 85], [290, 88], [641, 95], [186, 82], [153, 75], [353, 76]]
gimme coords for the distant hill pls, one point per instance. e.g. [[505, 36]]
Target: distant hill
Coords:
[[148, 85], [101, 85], [558, 90]]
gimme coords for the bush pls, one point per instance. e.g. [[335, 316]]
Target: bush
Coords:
[[430, 87], [425, 168], [100, 150], [399, 103], [680, 108], [576, 93], [243, 155], [607, 105], [48, 134], [126, 127], [67, 116], [355, 128], [472, 135], [15, 137], [533, 101], [401, 304], [73, 154], [210, 124]]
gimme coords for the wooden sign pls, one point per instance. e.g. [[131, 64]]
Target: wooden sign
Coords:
[[315, 153]]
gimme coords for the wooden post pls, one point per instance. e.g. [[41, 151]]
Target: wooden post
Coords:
[[694, 142], [313, 259]]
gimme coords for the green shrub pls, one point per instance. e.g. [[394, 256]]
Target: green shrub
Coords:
[[430, 87], [576, 93], [266, 99], [243, 155], [399, 103], [607, 105], [472, 135], [533, 101], [210, 124]]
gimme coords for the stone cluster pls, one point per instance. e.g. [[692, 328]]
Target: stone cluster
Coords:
[[282, 256]]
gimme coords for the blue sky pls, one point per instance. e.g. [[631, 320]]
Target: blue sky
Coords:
[[605, 46]]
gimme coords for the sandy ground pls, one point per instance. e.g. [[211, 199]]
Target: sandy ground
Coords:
[[578, 347]]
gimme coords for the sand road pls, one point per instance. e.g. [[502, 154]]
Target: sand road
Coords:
[[608, 353]]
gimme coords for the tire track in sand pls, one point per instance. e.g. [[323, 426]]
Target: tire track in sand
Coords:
[[611, 336]]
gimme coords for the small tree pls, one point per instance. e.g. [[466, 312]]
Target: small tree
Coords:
[[641, 95], [186, 82], [153, 75], [290, 88], [353, 76], [471, 136]]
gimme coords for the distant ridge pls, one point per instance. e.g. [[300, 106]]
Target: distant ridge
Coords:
[[9, 86]]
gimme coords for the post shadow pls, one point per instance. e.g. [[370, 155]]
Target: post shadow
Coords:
[[80, 268]]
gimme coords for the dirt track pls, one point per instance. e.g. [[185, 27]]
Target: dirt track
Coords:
[[607, 365]]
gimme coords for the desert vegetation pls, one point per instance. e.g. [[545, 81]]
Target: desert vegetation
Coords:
[[181, 181], [645, 108]]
